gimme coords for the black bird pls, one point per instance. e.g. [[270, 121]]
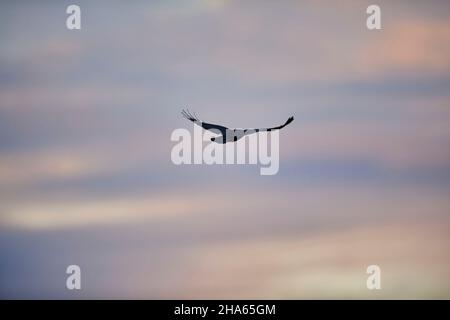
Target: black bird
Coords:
[[227, 134]]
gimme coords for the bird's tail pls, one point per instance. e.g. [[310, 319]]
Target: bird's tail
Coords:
[[186, 114]]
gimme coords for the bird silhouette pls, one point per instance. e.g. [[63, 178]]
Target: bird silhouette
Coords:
[[228, 134]]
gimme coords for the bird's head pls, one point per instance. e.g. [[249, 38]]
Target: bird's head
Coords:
[[218, 139]]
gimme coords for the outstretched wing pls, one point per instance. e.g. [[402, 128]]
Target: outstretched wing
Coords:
[[204, 125], [283, 125], [250, 131]]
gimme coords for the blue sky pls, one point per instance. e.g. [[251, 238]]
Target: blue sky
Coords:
[[85, 170]]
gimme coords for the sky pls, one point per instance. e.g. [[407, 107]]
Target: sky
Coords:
[[86, 176]]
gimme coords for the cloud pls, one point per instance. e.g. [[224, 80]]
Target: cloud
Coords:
[[85, 123], [32, 167], [329, 264], [44, 216], [308, 242], [400, 147], [411, 46]]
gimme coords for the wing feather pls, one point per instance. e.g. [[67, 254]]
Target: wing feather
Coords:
[[207, 126]]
